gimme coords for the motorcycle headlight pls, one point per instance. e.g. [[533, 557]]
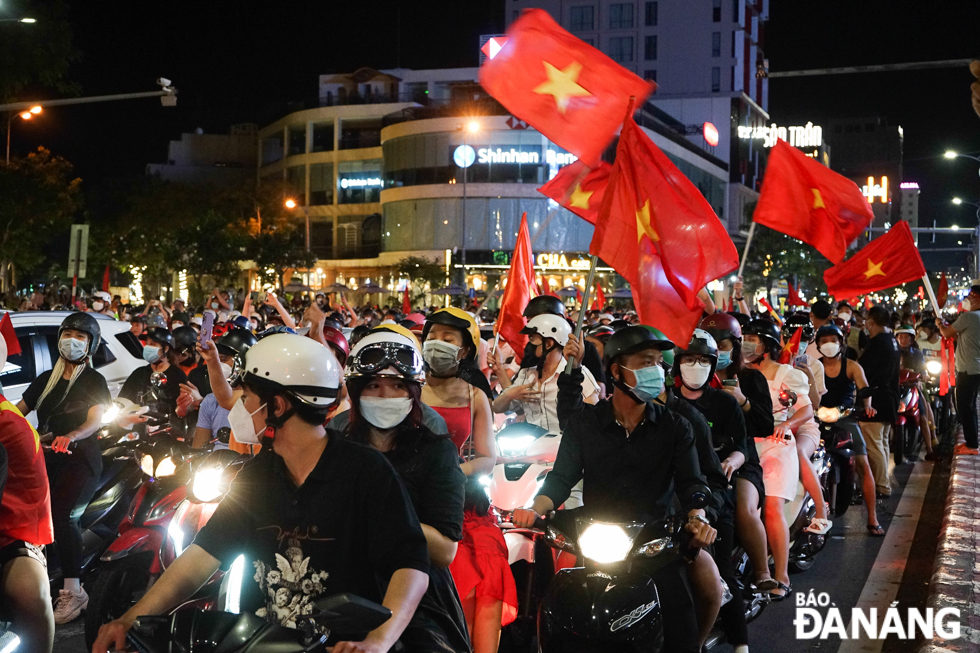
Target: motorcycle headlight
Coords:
[[514, 446], [605, 543], [166, 467], [934, 367], [207, 484], [110, 414], [828, 415], [146, 464]]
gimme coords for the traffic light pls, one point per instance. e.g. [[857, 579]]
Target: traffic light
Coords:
[[975, 86]]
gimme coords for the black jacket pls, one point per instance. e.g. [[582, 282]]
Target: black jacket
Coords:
[[882, 361], [707, 458]]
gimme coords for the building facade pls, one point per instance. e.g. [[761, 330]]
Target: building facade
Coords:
[[220, 159], [869, 151]]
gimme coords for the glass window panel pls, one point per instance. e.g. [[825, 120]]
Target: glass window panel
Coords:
[[321, 184], [322, 137], [715, 80], [582, 18], [651, 14], [650, 47], [271, 149], [716, 44], [296, 180], [359, 181], [321, 238], [621, 15], [356, 134], [621, 48], [716, 11], [297, 140]]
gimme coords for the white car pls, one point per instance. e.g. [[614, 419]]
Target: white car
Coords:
[[119, 353]]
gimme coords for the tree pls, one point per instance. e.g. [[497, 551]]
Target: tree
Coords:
[[38, 54], [38, 197], [775, 256], [421, 271]]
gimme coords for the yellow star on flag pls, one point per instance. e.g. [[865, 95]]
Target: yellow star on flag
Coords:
[[874, 270], [643, 224], [817, 200], [562, 84], [580, 198]]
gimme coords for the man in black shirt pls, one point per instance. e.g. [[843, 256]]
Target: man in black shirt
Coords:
[[881, 361], [314, 515], [632, 456]]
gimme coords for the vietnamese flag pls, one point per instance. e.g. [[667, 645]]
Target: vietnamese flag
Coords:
[[520, 279], [794, 296], [566, 89], [406, 303], [579, 189], [600, 298], [650, 201], [805, 200], [578, 297], [791, 348], [548, 290], [106, 283], [942, 294], [886, 261]]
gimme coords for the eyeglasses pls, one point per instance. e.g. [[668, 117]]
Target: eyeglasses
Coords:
[[379, 356], [701, 360]]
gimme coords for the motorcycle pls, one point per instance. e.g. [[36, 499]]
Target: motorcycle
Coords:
[[197, 631], [180, 495], [837, 442], [607, 604], [907, 438]]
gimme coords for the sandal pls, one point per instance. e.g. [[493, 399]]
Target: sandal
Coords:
[[779, 597], [876, 530], [764, 586], [819, 526]]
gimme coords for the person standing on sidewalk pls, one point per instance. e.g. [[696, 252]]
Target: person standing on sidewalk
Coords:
[[881, 361], [966, 330]]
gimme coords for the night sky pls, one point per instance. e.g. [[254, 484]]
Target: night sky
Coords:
[[248, 61]]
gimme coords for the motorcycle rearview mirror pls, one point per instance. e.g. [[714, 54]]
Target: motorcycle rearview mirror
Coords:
[[223, 435], [347, 613], [158, 379], [787, 398]]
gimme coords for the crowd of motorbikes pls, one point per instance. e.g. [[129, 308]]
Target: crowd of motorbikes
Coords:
[[575, 593]]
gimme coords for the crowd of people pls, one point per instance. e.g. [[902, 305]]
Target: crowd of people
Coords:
[[370, 430]]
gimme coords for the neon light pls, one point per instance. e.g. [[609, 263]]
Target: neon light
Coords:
[[809, 135], [871, 190], [464, 156], [710, 134], [361, 183], [493, 46], [909, 185]]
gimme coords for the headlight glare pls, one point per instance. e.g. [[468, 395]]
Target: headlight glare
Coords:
[[166, 467], [934, 367], [605, 543], [207, 484], [146, 464], [110, 414], [514, 446], [828, 414]]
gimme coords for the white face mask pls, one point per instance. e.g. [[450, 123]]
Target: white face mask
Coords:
[[695, 375], [923, 335], [385, 412], [225, 370], [829, 349], [241, 423], [72, 349], [844, 316], [97, 306], [967, 306]]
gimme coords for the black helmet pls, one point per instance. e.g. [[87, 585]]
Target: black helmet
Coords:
[[617, 325], [630, 340], [798, 321], [161, 336], [830, 329], [85, 323], [743, 319], [235, 341], [702, 344], [544, 304], [185, 338], [180, 316], [601, 331], [764, 329]]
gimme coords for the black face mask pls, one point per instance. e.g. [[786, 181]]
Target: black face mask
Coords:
[[531, 359]]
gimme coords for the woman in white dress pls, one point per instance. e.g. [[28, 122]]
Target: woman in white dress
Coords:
[[777, 453]]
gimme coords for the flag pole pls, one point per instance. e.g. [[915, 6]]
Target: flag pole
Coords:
[[585, 302], [745, 252], [932, 295]]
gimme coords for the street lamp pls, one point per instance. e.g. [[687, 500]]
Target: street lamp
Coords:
[[26, 115], [472, 127], [957, 200], [292, 204], [29, 21]]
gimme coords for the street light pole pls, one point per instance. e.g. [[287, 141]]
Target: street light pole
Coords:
[[26, 115], [471, 127]]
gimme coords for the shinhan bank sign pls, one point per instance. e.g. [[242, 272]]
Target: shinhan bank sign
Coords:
[[465, 156]]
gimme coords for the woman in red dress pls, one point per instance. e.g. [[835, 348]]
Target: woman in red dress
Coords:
[[460, 392]]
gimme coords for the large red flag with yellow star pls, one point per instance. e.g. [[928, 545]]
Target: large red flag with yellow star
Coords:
[[887, 261], [560, 85], [579, 189], [657, 230], [806, 200], [517, 293]]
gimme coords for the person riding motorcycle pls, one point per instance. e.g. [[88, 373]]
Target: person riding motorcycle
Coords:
[[70, 400], [633, 456], [914, 359], [460, 393], [845, 377], [159, 353], [384, 376], [304, 513], [25, 529]]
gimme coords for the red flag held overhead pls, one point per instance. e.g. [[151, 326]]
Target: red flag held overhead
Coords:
[[794, 296], [520, 280], [579, 189], [406, 303], [105, 279], [886, 261]]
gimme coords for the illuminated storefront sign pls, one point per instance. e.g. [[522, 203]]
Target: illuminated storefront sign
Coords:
[[464, 156], [871, 190], [560, 262], [367, 182], [809, 135], [909, 185]]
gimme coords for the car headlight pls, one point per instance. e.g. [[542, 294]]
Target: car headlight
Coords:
[[934, 367], [828, 414], [605, 543], [166, 467], [110, 414], [207, 484], [146, 464], [514, 446]]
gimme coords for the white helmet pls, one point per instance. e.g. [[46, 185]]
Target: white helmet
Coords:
[[547, 325], [385, 348], [302, 367]]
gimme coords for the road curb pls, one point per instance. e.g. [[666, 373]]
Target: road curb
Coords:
[[955, 579]]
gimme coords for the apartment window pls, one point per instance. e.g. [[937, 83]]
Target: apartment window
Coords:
[[621, 16], [296, 180], [322, 137], [715, 80], [651, 14], [733, 44], [650, 48], [716, 44], [321, 184], [735, 11], [716, 11], [650, 75], [582, 18], [297, 140], [621, 48]]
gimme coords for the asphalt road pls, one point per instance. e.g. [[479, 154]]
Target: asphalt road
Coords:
[[854, 569]]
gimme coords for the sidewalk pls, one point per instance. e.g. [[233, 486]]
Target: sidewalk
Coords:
[[956, 577]]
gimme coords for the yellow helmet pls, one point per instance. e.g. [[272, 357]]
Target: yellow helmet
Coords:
[[459, 319]]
